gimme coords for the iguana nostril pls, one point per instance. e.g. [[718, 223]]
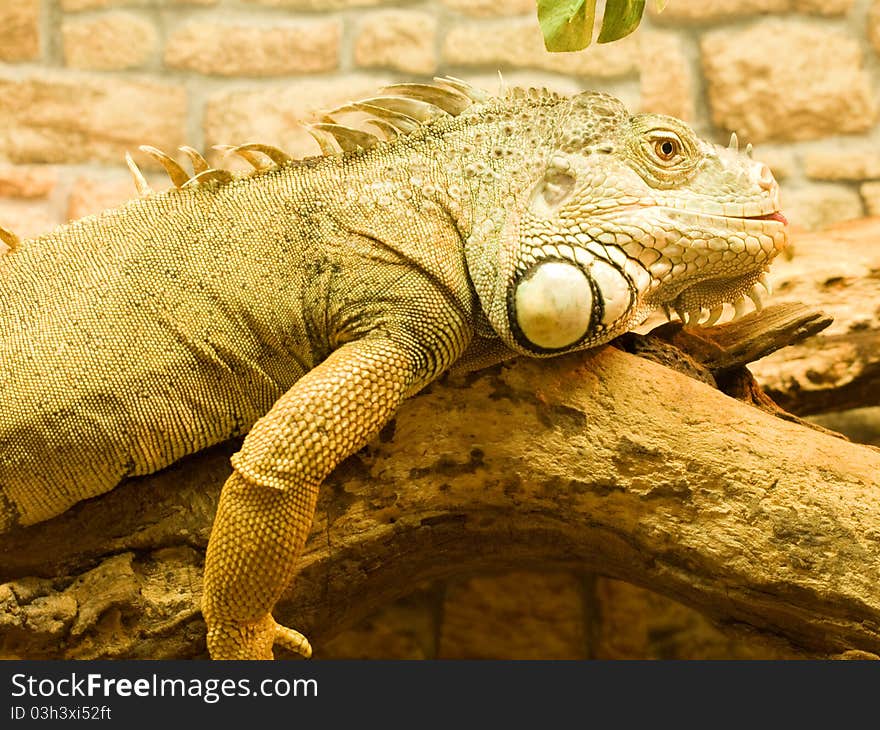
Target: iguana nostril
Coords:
[[765, 178]]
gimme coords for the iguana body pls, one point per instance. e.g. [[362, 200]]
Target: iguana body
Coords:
[[302, 304]]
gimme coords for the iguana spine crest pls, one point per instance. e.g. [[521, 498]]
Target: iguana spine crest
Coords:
[[11, 241], [400, 110]]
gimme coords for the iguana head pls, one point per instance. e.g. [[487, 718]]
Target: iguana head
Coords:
[[630, 214]]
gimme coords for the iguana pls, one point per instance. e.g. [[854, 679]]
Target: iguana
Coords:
[[300, 304]]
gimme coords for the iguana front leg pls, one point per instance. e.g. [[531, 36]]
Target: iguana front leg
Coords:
[[267, 505]]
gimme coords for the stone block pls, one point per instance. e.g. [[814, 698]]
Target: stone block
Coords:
[[110, 42], [398, 39], [20, 24], [787, 80], [71, 117], [247, 49]]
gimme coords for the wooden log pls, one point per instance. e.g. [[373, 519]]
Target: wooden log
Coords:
[[601, 461], [837, 271], [719, 355]]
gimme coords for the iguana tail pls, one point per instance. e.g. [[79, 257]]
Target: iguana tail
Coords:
[[8, 241]]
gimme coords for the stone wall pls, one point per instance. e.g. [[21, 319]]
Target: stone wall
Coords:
[[84, 81]]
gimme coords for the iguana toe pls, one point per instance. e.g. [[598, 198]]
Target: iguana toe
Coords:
[[233, 640], [292, 640]]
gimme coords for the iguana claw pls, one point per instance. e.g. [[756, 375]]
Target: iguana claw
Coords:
[[231, 640], [292, 640]]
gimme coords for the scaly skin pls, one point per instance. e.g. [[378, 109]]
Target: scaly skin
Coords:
[[301, 305]]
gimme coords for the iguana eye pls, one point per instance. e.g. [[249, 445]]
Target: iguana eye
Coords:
[[664, 151], [667, 149]]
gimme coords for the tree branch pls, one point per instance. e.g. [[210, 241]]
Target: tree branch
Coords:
[[602, 461]]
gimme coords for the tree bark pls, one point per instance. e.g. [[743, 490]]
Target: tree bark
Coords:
[[837, 271], [602, 461]]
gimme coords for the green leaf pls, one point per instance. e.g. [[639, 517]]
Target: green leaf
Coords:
[[622, 17], [567, 25]]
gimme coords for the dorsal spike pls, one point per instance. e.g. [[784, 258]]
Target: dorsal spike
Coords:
[[448, 99], [749, 150], [326, 141], [401, 122], [349, 139], [418, 110], [10, 239], [140, 182], [755, 295], [253, 158], [199, 163], [389, 130], [279, 157], [350, 106], [734, 142], [477, 95], [210, 175], [177, 174], [714, 316]]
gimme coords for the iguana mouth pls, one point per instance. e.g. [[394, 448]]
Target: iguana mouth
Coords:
[[774, 216]]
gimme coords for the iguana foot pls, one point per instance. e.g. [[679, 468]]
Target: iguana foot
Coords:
[[230, 640]]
